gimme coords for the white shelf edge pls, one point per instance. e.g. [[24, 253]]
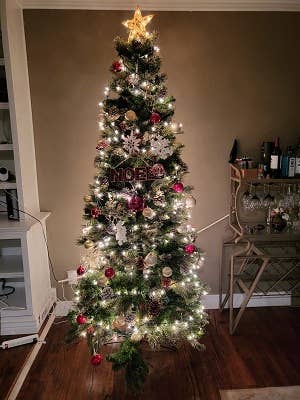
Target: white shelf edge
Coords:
[[8, 226], [8, 185], [4, 106], [11, 275], [6, 146]]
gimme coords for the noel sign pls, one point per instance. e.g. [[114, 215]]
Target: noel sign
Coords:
[[130, 174]]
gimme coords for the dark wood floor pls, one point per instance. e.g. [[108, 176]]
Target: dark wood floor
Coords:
[[264, 352]]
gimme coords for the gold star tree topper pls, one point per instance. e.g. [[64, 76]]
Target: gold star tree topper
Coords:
[[137, 25]]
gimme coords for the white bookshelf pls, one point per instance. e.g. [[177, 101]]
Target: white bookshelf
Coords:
[[24, 262]]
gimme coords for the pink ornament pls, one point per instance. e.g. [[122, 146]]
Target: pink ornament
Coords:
[[178, 187], [102, 144], [158, 170], [80, 270], [136, 203], [190, 248], [155, 118], [117, 66], [109, 272], [95, 212], [81, 319], [96, 359]]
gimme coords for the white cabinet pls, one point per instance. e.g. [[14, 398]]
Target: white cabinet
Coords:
[[26, 295]]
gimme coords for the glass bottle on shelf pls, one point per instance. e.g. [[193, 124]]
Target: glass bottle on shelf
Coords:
[[275, 160], [297, 166]]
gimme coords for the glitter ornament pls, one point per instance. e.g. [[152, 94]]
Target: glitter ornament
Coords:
[[190, 201], [81, 270], [148, 213], [111, 229], [178, 187], [136, 337], [95, 212], [102, 281], [87, 198], [119, 323], [158, 170], [88, 244], [96, 359], [117, 66], [130, 115], [109, 272], [102, 144], [131, 143], [155, 118], [121, 232], [81, 319], [167, 272], [166, 282], [161, 147], [136, 203], [190, 248], [151, 259], [176, 127]]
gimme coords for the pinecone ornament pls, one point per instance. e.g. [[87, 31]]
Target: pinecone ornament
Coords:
[[129, 318], [154, 308], [107, 293]]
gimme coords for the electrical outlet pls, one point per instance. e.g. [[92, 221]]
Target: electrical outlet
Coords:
[[62, 308]]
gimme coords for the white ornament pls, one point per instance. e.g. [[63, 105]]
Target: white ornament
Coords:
[[148, 213], [131, 143], [161, 147], [190, 201], [150, 259], [167, 272], [121, 233]]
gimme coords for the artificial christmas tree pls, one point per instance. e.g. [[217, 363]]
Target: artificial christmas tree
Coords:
[[139, 280]]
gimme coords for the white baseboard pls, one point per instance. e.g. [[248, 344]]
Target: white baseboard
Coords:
[[211, 301]]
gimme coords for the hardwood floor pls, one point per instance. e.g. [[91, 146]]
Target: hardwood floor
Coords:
[[264, 352], [11, 362]]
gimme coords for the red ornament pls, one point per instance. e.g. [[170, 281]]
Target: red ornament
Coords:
[[81, 319], [158, 170], [96, 359], [155, 118], [136, 203], [117, 66], [178, 187], [81, 270], [109, 272], [102, 144], [166, 282], [95, 212], [190, 248]]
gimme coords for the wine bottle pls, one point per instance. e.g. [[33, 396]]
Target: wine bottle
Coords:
[[275, 160], [297, 165], [292, 162], [285, 164]]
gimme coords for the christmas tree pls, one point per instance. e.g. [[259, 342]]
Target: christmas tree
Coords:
[[139, 279]]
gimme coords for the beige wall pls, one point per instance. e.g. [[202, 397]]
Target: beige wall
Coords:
[[233, 75]]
